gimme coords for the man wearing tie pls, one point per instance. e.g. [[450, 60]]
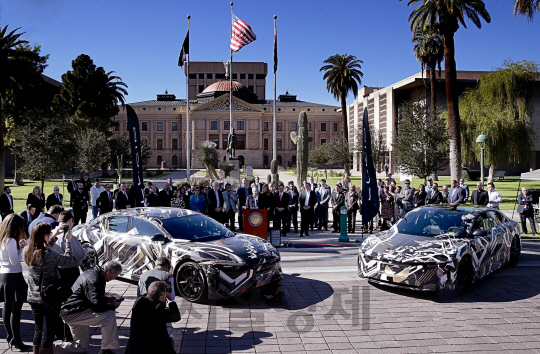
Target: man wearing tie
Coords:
[[105, 200], [257, 184], [408, 197], [242, 193], [465, 187], [434, 196], [281, 203], [55, 198], [229, 205], [307, 202], [215, 202], [292, 208], [165, 196], [71, 187], [122, 199], [28, 216], [456, 194], [6, 203], [80, 205]]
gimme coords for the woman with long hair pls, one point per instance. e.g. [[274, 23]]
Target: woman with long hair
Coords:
[[13, 288], [266, 201], [36, 198], [387, 206], [197, 202], [43, 265], [420, 196], [177, 201]]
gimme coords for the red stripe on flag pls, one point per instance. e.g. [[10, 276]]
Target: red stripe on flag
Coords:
[[242, 34]]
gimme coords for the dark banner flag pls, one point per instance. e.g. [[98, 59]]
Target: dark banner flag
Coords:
[[370, 195], [184, 50], [136, 156]]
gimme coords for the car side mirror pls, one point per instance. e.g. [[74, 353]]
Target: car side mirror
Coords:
[[159, 238], [479, 233]]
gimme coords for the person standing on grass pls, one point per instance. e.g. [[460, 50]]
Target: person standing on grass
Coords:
[[95, 192], [494, 197], [56, 198]]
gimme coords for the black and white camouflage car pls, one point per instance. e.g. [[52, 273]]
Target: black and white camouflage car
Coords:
[[440, 248], [208, 260]]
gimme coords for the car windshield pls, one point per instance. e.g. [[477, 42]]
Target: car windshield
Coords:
[[195, 228], [431, 222]]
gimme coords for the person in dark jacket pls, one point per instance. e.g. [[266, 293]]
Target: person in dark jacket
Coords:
[[28, 215], [434, 196], [56, 198], [338, 200], [149, 318], [88, 306], [215, 202], [165, 196], [306, 203], [420, 196], [479, 196], [352, 200], [36, 198], [152, 199], [121, 198], [281, 203], [105, 201], [242, 193], [6, 203], [80, 205], [526, 211], [71, 187], [293, 208]]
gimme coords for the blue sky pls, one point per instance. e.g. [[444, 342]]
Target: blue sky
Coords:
[[141, 40]]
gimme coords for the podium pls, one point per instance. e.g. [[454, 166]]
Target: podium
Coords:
[[256, 222]]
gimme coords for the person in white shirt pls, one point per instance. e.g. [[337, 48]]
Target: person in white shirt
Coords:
[[13, 288], [95, 191], [494, 197]]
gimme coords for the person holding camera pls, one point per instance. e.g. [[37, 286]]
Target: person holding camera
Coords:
[[88, 306]]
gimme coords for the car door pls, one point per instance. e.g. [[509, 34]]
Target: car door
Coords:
[[143, 252], [114, 240], [503, 240], [481, 245]]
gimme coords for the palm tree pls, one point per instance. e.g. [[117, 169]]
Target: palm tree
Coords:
[[429, 51], [447, 15], [16, 62], [342, 74], [526, 8], [114, 86]]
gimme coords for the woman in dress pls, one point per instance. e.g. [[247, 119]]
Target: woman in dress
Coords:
[[396, 193], [177, 201], [197, 202], [266, 201], [36, 198], [420, 196], [387, 206], [43, 265], [13, 288]]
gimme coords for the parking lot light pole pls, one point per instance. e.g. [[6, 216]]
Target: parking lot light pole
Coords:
[[482, 139]]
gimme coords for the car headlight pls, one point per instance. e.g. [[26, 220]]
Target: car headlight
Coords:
[[223, 258]]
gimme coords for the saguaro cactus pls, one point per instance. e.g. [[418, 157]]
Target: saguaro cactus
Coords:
[[302, 140], [274, 170]]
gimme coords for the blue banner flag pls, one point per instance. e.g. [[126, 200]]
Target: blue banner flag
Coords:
[[370, 195], [136, 156]]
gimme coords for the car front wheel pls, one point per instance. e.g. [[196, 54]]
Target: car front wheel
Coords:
[[191, 282], [515, 251], [463, 281]]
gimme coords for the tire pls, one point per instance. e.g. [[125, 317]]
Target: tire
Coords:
[[463, 282], [91, 259], [515, 251], [191, 282]]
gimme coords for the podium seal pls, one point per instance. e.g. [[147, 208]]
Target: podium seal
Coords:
[[255, 219]]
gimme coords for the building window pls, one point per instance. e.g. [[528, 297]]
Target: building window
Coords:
[[240, 143], [323, 141], [279, 144], [201, 88], [234, 76], [279, 160], [159, 126], [213, 125], [279, 127], [159, 160], [160, 144], [174, 126], [309, 127], [323, 127], [227, 125], [265, 160], [175, 160], [265, 126], [260, 77], [335, 127], [294, 127], [293, 160], [242, 76], [226, 142], [175, 144], [144, 126], [265, 143], [240, 125], [209, 76], [192, 76], [201, 76], [250, 76], [220, 76]]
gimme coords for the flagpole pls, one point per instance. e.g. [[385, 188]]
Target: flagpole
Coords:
[[274, 123], [188, 140], [230, 87]]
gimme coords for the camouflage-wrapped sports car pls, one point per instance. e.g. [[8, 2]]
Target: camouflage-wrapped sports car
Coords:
[[440, 248], [208, 260]]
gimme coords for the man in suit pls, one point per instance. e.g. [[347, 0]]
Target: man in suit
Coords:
[[293, 208], [479, 196], [323, 197], [434, 196], [152, 199], [71, 187], [172, 187], [465, 187], [281, 203], [80, 205], [55, 198], [122, 199], [87, 184], [252, 201], [6, 203], [258, 185], [456, 195], [165, 196], [307, 201], [215, 202], [230, 200], [338, 200], [526, 211], [105, 200], [242, 193], [28, 216], [408, 198]]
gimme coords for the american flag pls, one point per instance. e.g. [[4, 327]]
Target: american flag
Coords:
[[242, 34]]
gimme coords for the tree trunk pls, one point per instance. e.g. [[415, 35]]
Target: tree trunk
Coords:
[[452, 102], [17, 179], [105, 170], [344, 123], [491, 173], [42, 184], [433, 89]]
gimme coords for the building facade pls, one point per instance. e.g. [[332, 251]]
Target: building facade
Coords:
[[163, 121]]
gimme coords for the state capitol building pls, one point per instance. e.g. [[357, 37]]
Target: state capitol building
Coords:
[[162, 121]]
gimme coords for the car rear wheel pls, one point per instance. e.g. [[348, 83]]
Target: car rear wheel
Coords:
[[515, 251], [191, 282]]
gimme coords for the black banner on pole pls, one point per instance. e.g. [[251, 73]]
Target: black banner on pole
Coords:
[[136, 156], [370, 195]]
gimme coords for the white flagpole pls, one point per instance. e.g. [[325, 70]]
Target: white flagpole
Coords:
[[274, 123], [188, 140], [230, 88]]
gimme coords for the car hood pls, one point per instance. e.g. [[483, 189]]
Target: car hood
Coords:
[[240, 248], [393, 246]]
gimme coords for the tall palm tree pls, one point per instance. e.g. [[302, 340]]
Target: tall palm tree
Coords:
[[526, 8], [342, 74], [447, 15], [15, 62], [116, 88], [429, 51]]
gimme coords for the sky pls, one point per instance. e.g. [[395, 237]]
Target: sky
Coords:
[[140, 40]]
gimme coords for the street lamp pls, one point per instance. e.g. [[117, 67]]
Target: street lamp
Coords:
[[482, 139]]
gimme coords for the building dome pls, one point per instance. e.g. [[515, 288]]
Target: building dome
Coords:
[[225, 86]]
